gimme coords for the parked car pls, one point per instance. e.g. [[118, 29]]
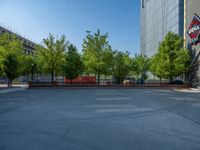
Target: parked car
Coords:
[[177, 82]]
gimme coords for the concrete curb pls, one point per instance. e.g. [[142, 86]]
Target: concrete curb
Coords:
[[190, 90], [9, 90]]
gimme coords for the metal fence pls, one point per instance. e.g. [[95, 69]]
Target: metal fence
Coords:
[[105, 84]]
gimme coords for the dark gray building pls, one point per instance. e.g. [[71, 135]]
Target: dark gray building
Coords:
[[157, 18], [192, 36], [27, 44]]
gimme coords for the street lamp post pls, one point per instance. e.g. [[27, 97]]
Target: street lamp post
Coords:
[[32, 65]]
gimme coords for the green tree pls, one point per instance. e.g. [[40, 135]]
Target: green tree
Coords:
[[156, 69], [97, 54], [120, 66], [11, 53], [73, 66], [51, 55], [1, 62], [140, 66], [30, 65], [107, 59], [172, 59]]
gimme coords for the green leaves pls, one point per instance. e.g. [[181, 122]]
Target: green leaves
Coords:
[[172, 59], [120, 65], [55, 57], [99, 59], [97, 53], [29, 64], [11, 54], [73, 66], [12, 66], [50, 55], [140, 65]]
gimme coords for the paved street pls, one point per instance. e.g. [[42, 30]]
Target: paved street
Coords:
[[99, 119]]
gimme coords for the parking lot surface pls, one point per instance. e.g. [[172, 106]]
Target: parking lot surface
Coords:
[[99, 119]]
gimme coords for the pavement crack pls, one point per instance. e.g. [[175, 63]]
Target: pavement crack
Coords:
[[188, 118], [184, 116], [66, 132], [8, 109]]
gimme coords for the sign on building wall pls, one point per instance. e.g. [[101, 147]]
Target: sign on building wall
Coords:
[[194, 30]]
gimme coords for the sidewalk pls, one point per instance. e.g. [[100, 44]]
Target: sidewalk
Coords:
[[190, 90], [16, 87]]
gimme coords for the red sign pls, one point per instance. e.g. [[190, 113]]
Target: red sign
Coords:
[[83, 79], [194, 30]]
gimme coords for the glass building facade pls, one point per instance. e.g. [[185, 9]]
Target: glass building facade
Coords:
[[158, 17]]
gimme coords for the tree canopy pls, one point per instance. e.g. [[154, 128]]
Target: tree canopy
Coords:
[[57, 57], [97, 54], [11, 54], [172, 59], [73, 66], [120, 65], [140, 66], [29, 65], [51, 55]]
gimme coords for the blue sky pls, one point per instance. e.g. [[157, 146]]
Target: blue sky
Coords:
[[38, 18]]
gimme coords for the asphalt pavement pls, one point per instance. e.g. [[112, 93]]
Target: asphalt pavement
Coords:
[[99, 119]]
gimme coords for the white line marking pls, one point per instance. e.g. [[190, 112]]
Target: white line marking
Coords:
[[122, 110], [111, 106], [114, 98], [108, 93]]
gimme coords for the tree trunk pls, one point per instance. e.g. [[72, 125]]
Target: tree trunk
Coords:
[[119, 81], [8, 82], [171, 79], [71, 80], [26, 75], [98, 78], [32, 77], [52, 76], [32, 73]]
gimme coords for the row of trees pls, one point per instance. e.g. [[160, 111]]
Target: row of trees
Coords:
[[59, 57]]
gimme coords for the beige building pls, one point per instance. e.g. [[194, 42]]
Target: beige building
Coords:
[[192, 36]]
